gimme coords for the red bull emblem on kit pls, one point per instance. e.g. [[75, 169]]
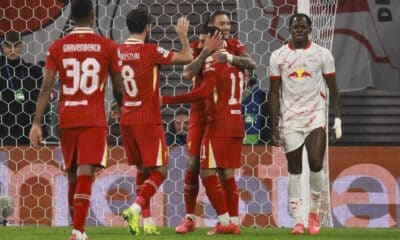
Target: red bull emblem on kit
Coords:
[[299, 74]]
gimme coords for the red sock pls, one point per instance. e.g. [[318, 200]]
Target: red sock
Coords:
[[231, 196], [149, 188], [82, 201], [71, 193], [191, 190], [215, 194], [140, 178]]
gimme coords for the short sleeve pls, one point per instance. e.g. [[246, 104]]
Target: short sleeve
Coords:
[[208, 67], [159, 55], [50, 60], [328, 64], [235, 47], [115, 58], [274, 70]]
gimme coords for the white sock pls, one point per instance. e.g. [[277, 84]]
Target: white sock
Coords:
[[295, 208], [148, 221], [317, 185], [224, 219], [77, 233], [315, 201], [191, 216], [235, 220], [294, 187], [317, 181], [136, 207], [295, 200]]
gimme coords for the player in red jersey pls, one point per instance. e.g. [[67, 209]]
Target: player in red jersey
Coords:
[[221, 87], [83, 60], [141, 125], [238, 57]]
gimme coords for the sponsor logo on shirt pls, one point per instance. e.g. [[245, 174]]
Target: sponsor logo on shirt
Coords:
[[299, 74]]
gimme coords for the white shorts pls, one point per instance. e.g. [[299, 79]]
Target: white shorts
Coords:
[[293, 137]]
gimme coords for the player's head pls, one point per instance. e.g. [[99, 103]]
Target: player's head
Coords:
[[299, 27], [221, 20], [181, 121], [138, 21], [82, 12], [11, 45], [202, 36], [211, 30]]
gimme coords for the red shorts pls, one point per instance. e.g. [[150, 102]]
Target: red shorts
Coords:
[[195, 135], [221, 152], [84, 145], [145, 145]]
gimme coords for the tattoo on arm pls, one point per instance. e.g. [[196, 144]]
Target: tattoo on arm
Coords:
[[195, 67], [243, 62]]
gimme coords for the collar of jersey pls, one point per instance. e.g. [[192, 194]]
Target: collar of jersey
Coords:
[[82, 30], [308, 45], [133, 41]]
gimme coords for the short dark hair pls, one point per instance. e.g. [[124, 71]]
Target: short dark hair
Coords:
[[181, 111], [11, 37], [211, 30], [300, 15], [137, 19], [80, 9], [212, 17]]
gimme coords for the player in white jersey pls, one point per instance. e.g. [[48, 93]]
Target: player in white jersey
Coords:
[[299, 73]]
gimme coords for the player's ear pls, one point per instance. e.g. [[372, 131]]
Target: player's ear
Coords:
[[91, 17], [148, 28]]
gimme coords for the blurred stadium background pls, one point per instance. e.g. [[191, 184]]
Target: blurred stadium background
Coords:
[[364, 172]]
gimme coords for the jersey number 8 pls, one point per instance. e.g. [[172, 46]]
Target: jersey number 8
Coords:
[[129, 81]]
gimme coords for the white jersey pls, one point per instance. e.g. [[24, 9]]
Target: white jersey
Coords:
[[303, 90]]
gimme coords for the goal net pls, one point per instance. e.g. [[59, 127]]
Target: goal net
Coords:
[[34, 178]]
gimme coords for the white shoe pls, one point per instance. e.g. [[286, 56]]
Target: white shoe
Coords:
[[78, 235]]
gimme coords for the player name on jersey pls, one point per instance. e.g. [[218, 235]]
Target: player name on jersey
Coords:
[[130, 56], [85, 47]]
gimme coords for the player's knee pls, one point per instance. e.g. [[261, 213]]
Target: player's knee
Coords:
[[162, 170], [294, 169], [194, 165], [316, 166], [85, 169]]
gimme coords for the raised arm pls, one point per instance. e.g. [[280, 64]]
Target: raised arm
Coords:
[[184, 56], [243, 61], [211, 43]]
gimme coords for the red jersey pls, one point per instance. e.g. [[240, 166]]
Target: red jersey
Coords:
[[233, 46], [222, 88], [141, 74], [197, 114], [83, 60]]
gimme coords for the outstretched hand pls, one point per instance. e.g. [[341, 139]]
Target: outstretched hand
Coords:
[[182, 26], [213, 41]]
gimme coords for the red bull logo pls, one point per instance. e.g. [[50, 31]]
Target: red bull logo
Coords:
[[299, 74]]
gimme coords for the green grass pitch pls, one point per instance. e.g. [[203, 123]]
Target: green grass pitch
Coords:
[[114, 233]]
